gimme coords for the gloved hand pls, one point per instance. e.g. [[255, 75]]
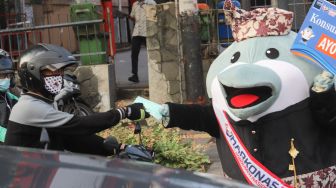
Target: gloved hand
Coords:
[[135, 112], [323, 82], [63, 93], [112, 146], [164, 111]]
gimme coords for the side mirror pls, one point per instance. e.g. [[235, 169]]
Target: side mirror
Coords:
[[111, 145]]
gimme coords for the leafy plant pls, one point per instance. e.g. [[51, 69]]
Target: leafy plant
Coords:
[[171, 150]]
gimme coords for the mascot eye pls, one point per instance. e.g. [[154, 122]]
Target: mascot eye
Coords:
[[235, 57], [272, 53]]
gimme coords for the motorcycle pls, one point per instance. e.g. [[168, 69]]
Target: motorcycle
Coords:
[[136, 152], [69, 98]]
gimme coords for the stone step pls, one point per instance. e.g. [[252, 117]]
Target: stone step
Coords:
[[130, 93]]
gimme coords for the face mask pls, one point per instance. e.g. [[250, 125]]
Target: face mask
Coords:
[[4, 84], [53, 84]]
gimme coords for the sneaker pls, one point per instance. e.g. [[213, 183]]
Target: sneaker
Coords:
[[133, 78]]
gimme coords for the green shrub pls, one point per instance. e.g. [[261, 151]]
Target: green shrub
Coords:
[[171, 150]]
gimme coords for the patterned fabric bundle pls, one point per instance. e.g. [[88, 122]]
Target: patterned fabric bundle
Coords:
[[260, 22]]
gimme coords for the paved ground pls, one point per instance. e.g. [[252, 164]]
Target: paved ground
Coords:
[[123, 67], [123, 71], [215, 167]]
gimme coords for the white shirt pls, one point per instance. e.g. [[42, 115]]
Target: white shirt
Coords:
[[139, 14]]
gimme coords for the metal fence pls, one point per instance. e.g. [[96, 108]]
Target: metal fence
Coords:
[[123, 28], [84, 39], [216, 35]]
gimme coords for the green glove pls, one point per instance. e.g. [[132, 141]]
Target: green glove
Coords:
[[2, 133]]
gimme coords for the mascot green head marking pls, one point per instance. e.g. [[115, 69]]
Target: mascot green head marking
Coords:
[[258, 74]]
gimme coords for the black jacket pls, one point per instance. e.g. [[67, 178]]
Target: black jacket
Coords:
[[311, 123], [7, 101]]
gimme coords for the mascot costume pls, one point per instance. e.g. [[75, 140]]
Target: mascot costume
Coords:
[[273, 114]]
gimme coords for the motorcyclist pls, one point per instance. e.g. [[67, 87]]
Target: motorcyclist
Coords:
[[7, 99], [35, 123]]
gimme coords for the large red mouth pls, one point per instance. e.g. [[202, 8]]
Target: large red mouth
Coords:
[[247, 97]]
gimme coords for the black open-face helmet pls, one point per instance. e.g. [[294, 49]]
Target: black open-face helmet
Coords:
[[41, 57], [7, 66]]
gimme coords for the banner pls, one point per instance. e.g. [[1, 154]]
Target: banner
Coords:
[[316, 40]]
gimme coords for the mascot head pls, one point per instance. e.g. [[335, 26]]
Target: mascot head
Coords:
[[257, 74]]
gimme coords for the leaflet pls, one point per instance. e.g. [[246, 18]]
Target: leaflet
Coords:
[[151, 107]]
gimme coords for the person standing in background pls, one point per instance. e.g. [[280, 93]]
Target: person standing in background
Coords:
[[138, 15], [7, 99]]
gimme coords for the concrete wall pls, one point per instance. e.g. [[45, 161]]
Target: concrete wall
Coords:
[[95, 87], [165, 69]]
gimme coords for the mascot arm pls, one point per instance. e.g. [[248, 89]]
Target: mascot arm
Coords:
[[323, 100], [194, 117]]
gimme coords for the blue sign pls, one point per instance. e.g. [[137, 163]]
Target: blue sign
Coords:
[[316, 40]]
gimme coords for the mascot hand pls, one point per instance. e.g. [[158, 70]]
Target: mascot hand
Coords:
[[164, 111], [323, 82]]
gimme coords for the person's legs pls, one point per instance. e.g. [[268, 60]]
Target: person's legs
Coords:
[[136, 45], [143, 40]]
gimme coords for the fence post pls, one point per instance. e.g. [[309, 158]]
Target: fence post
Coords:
[[191, 47], [111, 66], [283, 4]]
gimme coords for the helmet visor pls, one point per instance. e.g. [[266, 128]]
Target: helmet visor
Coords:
[[72, 65], [4, 75]]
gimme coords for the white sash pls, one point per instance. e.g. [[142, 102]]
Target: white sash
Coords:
[[254, 172]]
